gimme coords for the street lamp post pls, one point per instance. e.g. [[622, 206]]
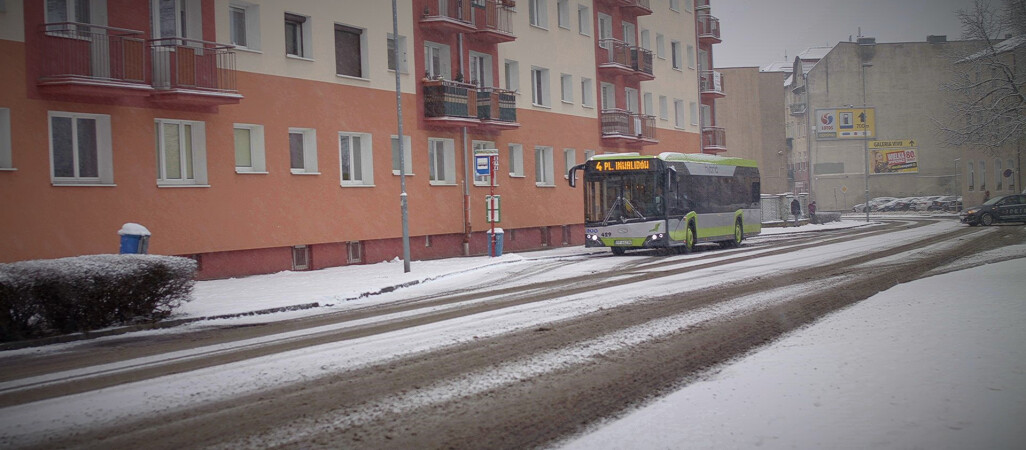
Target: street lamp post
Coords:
[[402, 162], [865, 138]]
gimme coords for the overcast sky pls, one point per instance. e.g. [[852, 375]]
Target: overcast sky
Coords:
[[759, 32]]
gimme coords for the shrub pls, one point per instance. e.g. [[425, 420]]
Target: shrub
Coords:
[[45, 297]]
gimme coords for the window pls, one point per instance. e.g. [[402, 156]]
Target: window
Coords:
[[249, 149], [691, 56], [629, 33], [660, 46], [983, 175], [177, 18], [678, 113], [482, 180], [80, 148], [694, 113], [356, 161], [297, 36], [399, 44], [675, 5], [516, 160], [512, 69], [538, 10], [244, 25], [587, 93], [563, 13], [303, 150], [67, 11], [588, 154], [300, 257], [998, 181], [480, 69], [566, 85], [407, 155], [584, 20], [569, 161], [647, 104], [181, 152], [1011, 179], [971, 176], [646, 40], [5, 139], [437, 62], [608, 93], [605, 29], [543, 170], [663, 113], [349, 50], [540, 86], [355, 251], [689, 5], [441, 161], [675, 55]]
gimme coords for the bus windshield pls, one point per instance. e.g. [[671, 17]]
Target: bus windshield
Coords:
[[626, 197]]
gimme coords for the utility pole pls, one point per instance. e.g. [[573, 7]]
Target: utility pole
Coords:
[[402, 159]]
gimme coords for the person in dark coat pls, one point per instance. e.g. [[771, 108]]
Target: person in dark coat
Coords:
[[796, 210], [812, 212]]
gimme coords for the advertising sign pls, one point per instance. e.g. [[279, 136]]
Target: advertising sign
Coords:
[[845, 123], [897, 156]]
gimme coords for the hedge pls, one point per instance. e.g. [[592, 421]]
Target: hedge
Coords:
[[59, 296]]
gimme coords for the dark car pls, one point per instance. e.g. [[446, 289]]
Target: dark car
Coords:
[[1007, 208]]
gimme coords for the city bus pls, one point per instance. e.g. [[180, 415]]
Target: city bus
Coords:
[[669, 202]]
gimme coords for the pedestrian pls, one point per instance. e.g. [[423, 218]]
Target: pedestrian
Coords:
[[796, 210], [812, 212], [986, 196]]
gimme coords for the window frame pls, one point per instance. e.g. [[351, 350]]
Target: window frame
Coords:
[[403, 58], [540, 87], [583, 20], [197, 142], [563, 14], [102, 145], [6, 156], [538, 13], [660, 46], [365, 163], [516, 160], [444, 59], [251, 26], [309, 151], [587, 92], [664, 108], [407, 154], [677, 57], [304, 35], [511, 70], [361, 53], [569, 161], [679, 119], [257, 151], [566, 88], [693, 108], [544, 171], [448, 156]]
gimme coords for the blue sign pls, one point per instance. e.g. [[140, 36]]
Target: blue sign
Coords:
[[482, 164]]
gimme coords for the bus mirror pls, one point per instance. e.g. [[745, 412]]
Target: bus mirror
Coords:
[[572, 175]]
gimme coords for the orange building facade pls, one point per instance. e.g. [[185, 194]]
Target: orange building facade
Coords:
[[258, 137]]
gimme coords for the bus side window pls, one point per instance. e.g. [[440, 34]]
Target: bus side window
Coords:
[[756, 194]]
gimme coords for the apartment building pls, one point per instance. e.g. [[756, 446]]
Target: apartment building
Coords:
[[262, 136]]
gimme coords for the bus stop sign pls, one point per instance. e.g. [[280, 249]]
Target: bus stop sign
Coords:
[[482, 165]]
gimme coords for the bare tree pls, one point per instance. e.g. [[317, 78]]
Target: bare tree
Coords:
[[988, 90]]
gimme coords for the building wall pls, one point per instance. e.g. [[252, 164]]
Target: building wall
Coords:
[[753, 111]]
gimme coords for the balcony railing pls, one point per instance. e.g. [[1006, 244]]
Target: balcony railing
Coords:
[[711, 82], [708, 28], [714, 138], [80, 50], [456, 100], [637, 7], [620, 53], [458, 12], [180, 63], [619, 122], [498, 17], [701, 4], [797, 109], [496, 104]]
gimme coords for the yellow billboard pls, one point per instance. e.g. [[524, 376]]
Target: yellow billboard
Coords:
[[894, 156], [846, 123]]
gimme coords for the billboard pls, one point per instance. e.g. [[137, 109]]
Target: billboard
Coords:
[[896, 156], [845, 123]]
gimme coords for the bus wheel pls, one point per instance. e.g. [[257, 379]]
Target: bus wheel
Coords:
[[689, 240], [618, 251], [739, 234]]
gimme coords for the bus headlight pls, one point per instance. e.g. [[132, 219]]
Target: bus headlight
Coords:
[[591, 237], [656, 237]]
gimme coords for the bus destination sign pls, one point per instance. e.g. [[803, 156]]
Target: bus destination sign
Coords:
[[630, 164]]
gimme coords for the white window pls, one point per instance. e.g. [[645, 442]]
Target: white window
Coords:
[[663, 110], [691, 57], [584, 20], [58, 11], [298, 36], [569, 161], [608, 93], [441, 161], [646, 40], [177, 18], [356, 160], [647, 103], [350, 51], [543, 169], [516, 160], [631, 98], [605, 29], [675, 5], [399, 44], [5, 139], [540, 86], [538, 10], [588, 154], [566, 85], [630, 34], [480, 69], [587, 93], [244, 25], [694, 113], [563, 13], [678, 113], [355, 251], [660, 46], [675, 55], [249, 149], [437, 62], [300, 257], [181, 152], [512, 69], [303, 151], [407, 155], [689, 5], [80, 148], [482, 180], [706, 116]]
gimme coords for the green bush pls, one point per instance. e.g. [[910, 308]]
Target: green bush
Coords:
[[67, 295]]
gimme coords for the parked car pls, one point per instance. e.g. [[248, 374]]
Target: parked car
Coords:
[[1006, 208], [898, 204], [945, 203], [873, 204], [923, 203]]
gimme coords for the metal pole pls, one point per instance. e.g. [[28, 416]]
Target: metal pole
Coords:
[[865, 135], [402, 159]]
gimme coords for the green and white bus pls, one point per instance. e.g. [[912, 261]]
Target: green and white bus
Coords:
[[671, 201]]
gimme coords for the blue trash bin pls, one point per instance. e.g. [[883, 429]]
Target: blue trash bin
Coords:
[[498, 242], [135, 239]]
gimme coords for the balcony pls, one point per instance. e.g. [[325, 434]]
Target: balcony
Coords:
[[708, 29], [498, 19], [710, 84], [714, 140], [454, 16], [454, 104], [93, 61], [701, 4], [636, 7], [621, 58], [193, 72], [624, 127], [797, 109]]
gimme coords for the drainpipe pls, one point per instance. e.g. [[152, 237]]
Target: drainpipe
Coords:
[[466, 170]]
